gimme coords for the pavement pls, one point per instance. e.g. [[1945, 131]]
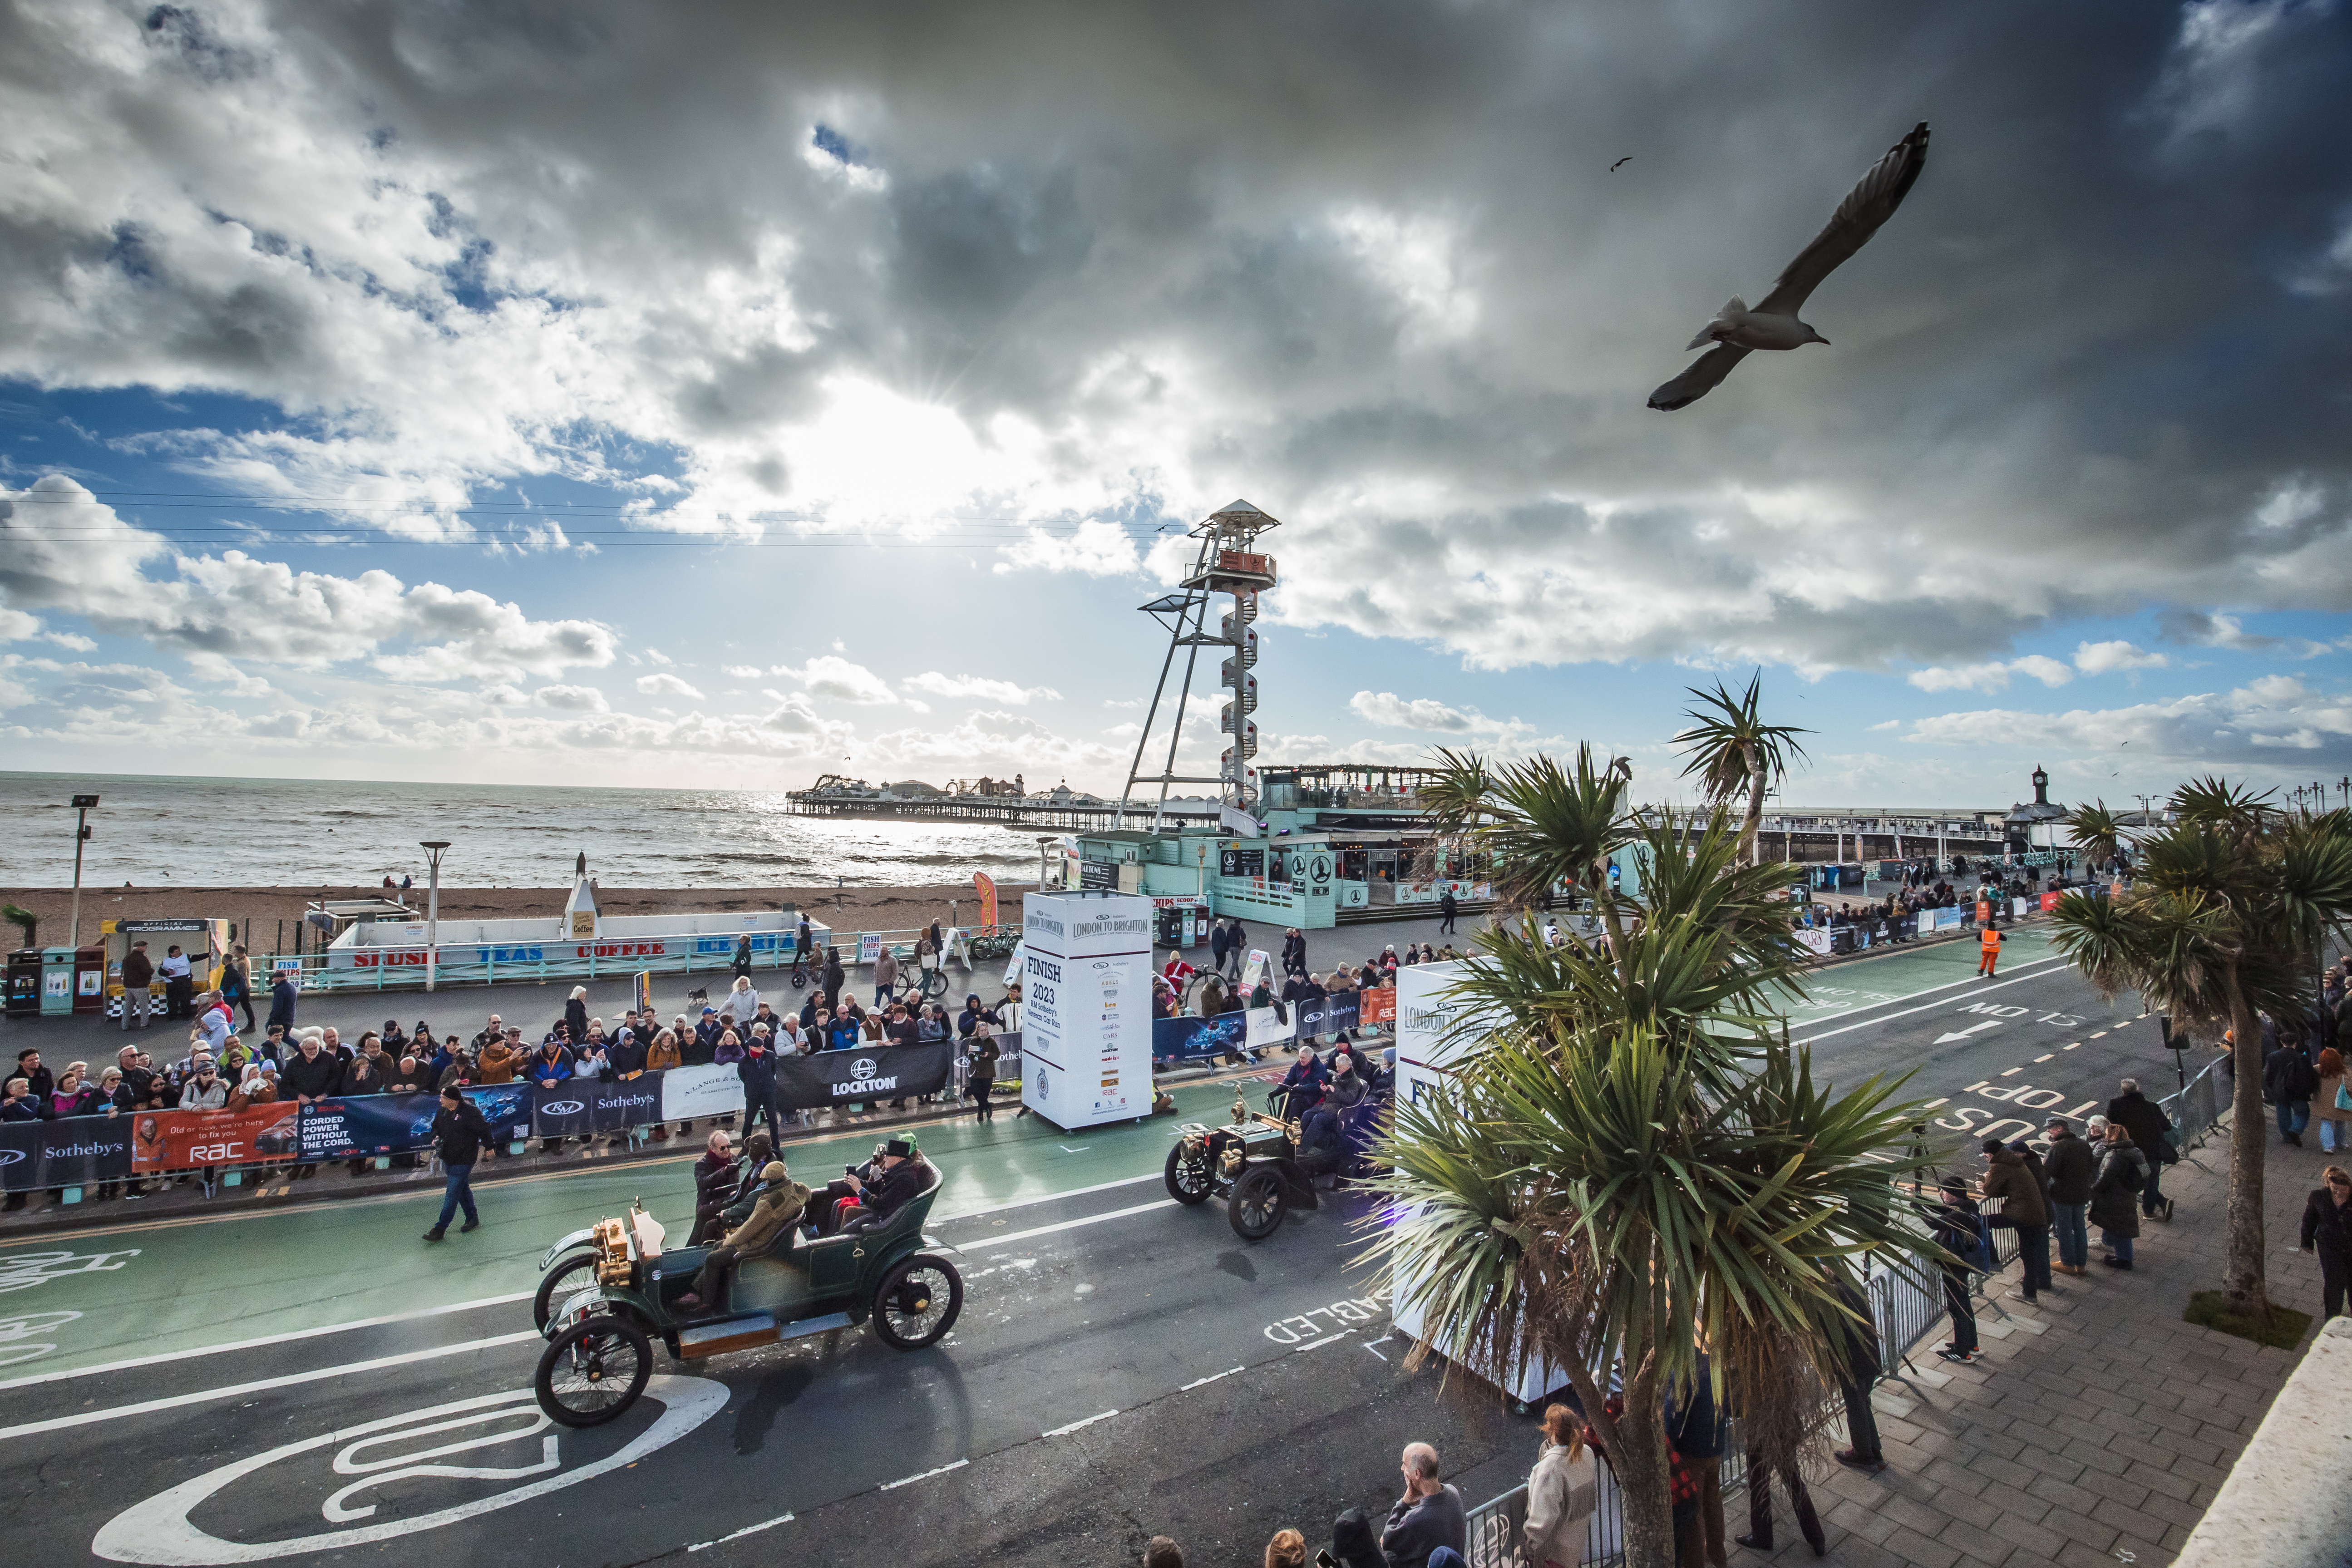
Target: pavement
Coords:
[[306, 1382], [2096, 1426]]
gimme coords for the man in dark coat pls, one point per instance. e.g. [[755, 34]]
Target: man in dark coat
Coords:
[[1217, 947], [459, 1131], [2147, 1122], [2290, 1081], [1446, 908], [2069, 1170], [138, 974]]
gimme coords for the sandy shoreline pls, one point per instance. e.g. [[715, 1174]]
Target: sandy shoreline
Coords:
[[860, 909]]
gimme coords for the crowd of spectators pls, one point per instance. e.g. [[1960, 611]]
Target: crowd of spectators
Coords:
[[221, 1070]]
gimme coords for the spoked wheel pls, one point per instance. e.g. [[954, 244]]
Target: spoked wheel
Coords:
[[562, 1282], [1188, 1176], [592, 1370], [918, 1302], [1259, 1201]]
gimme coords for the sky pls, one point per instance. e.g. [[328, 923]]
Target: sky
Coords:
[[725, 394]]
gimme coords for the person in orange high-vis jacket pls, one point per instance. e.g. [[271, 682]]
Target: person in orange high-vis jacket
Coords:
[[1988, 942]]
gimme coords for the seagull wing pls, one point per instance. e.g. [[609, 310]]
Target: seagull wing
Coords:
[[1701, 378], [1866, 207]]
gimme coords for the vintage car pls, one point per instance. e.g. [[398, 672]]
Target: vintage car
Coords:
[[1252, 1163], [601, 1320]]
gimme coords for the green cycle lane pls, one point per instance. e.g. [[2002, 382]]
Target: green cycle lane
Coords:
[[105, 1296]]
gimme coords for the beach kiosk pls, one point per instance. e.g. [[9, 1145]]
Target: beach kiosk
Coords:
[[1086, 1008]]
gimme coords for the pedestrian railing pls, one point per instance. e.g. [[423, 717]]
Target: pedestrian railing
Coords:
[[1498, 1526], [2197, 1108]]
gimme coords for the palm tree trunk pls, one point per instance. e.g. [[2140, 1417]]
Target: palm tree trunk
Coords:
[[2245, 1284], [1755, 818]]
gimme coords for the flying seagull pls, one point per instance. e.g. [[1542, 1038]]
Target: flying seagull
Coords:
[[1620, 163], [1773, 323]]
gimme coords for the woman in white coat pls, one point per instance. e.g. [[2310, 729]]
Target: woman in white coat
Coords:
[[742, 1006], [1563, 1491]]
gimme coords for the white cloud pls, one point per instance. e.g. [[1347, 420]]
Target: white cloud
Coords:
[[2100, 657], [2273, 713], [233, 605], [980, 688], [830, 675], [665, 684], [572, 699], [1994, 676], [1420, 713], [1096, 548], [743, 672]]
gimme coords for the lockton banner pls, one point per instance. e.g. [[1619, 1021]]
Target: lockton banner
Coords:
[[580, 1105], [184, 1139], [367, 1124], [879, 1072], [687, 1093]]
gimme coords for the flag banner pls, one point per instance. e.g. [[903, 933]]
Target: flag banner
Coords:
[[689, 1093]]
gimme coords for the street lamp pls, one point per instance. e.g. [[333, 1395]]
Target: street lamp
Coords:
[[432, 847], [81, 804]]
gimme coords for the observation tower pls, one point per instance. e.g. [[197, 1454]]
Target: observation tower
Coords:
[[1230, 562]]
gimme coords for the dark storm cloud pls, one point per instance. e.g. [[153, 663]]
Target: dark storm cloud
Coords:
[[1363, 263]]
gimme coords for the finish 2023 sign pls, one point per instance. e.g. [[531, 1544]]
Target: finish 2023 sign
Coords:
[[1085, 1016]]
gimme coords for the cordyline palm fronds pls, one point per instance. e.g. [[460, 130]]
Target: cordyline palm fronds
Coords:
[[2098, 832], [1629, 1156], [1734, 752], [2228, 918], [1586, 1203]]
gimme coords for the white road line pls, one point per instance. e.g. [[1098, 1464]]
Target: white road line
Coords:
[[747, 1530], [1368, 1345], [1907, 995], [1319, 1344], [927, 1475], [1013, 1235], [2101, 1034], [2077, 1044], [2011, 1072], [1203, 1383], [2044, 1056], [234, 1390], [1933, 1104], [1890, 1017], [278, 1338], [1066, 1431], [1045, 1198]]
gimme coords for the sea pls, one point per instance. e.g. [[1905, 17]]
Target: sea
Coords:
[[154, 831]]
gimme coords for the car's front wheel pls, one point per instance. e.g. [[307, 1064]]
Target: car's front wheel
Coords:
[[1187, 1174], [592, 1370], [560, 1283]]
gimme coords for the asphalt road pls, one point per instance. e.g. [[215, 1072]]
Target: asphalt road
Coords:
[[315, 1385]]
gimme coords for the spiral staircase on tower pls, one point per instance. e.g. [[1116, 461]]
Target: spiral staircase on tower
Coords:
[[1229, 564]]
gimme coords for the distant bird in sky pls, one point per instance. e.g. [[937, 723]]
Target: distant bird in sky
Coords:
[[1620, 163], [1773, 323]]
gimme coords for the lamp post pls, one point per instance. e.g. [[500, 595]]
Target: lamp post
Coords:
[[81, 804], [433, 848]]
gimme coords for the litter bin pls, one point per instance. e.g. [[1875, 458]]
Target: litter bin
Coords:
[[57, 982], [1170, 924], [25, 982], [90, 980]]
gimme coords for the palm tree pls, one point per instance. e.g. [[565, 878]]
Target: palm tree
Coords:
[[2227, 919], [1631, 1157], [1733, 750]]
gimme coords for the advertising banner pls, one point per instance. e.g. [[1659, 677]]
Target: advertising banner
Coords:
[[985, 885], [368, 1124], [687, 1093], [506, 1107], [1377, 1006], [869, 946], [2050, 900], [1008, 1057], [1256, 968], [1198, 1039], [1814, 937], [78, 1151], [1086, 1014], [1318, 1017], [1270, 1029], [877, 1072], [184, 1139], [579, 1106]]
